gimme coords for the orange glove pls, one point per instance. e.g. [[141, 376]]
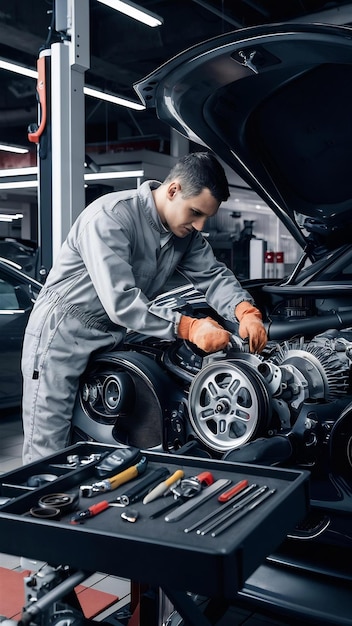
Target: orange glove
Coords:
[[251, 326], [205, 333]]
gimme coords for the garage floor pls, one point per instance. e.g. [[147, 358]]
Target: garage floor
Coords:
[[10, 459]]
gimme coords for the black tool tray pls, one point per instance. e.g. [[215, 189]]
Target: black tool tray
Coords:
[[153, 551]]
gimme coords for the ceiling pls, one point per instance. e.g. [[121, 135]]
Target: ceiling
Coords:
[[124, 51]]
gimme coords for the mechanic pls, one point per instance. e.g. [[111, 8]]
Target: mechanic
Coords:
[[117, 257]]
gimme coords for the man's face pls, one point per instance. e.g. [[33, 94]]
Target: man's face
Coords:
[[182, 215]]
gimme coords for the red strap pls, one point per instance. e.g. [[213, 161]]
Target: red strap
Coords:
[[41, 90]]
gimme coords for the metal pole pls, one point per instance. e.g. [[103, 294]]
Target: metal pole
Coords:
[[41, 135], [70, 60]]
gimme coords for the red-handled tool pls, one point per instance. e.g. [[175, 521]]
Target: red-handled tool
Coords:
[[95, 509], [205, 478], [227, 495]]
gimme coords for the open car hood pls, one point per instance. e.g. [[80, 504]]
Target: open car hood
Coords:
[[274, 103]]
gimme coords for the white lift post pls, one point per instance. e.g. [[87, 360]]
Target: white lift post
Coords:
[[70, 58]]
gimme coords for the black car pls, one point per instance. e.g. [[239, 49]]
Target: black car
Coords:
[[273, 102], [23, 252], [17, 295]]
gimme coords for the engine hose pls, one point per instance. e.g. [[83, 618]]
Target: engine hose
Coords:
[[285, 329]]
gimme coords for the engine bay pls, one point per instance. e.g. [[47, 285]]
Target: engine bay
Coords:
[[295, 398]]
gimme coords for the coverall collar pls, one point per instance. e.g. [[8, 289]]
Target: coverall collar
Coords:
[[146, 197]]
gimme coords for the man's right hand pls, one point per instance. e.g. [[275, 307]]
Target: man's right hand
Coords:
[[205, 333]]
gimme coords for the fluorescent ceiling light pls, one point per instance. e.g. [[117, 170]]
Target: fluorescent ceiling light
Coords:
[[18, 171], [89, 91], [25, 184], [23, 171], [18, 69], [20, 184], [112, 175], [15, 149], [109, 97], [11, 216], [134, 11]]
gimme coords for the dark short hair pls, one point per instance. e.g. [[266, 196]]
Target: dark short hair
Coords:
[[200, 170]]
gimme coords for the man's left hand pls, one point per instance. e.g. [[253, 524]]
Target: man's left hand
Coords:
[[251, 326]]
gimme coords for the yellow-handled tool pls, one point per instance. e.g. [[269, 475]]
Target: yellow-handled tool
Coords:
[[160, 489], [113, 482], [127, 474]]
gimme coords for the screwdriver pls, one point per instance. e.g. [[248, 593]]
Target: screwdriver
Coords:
[[160, 489]]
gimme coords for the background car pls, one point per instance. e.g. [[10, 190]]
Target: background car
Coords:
[[273, 102], [17, 294], [21, 251]]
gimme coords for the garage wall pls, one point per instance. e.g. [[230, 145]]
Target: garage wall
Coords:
[[243, 208]]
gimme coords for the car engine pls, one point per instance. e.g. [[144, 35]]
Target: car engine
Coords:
[[290, 405]]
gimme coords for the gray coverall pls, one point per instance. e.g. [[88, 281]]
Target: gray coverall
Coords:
[[110, 267]]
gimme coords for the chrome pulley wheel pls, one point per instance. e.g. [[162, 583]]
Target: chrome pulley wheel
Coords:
[[228, 404]]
